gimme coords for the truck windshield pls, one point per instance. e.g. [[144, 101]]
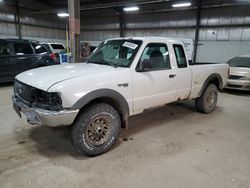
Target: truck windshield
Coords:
[[116, 53], [239, 62]]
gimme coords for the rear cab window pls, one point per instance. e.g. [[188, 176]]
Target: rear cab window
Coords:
[[23, 48], [180, 56]]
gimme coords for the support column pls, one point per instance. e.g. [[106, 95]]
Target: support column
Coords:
[[122, 25], [17, 20], [197, 28], [74, 29]]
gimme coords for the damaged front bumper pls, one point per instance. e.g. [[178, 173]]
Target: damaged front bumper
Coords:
[[38, 116], [238, 84]]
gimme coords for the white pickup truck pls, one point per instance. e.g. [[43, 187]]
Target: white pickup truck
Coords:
[[121, 78]]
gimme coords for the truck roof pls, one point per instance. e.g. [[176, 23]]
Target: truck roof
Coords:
[[244, 55], [150, 39]]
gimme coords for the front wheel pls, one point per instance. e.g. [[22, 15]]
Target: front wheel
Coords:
[[96, 129], [206, 103]]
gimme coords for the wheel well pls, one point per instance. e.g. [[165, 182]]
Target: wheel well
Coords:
[[112, 102], [215, 81], [212, 79]]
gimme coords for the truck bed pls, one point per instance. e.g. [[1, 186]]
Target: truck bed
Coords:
[[201, 71], [202, 63]]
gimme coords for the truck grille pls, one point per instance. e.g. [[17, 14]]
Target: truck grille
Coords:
[[235, 77], [23, 91]]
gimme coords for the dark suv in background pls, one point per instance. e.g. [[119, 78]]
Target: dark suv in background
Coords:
[[17, 56]]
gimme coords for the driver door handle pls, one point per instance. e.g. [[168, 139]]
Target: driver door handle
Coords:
[[172, 75]]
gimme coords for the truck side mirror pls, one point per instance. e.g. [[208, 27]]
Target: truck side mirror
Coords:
[[145, 64]]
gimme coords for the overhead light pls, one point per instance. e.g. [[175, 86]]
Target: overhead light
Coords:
[[63, 14], [130, 9], [178, 5]]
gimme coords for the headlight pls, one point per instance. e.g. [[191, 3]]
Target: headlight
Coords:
[[246, 77], [48, 101]]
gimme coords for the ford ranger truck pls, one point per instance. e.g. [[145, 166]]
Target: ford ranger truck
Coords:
[[121, 78]]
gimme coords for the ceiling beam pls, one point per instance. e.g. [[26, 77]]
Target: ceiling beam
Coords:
[[110, 5]]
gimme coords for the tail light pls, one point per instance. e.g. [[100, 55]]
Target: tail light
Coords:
[[53, 56]]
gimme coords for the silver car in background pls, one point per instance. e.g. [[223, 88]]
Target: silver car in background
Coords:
[[239, 75]]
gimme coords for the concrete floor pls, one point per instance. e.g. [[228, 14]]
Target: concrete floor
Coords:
[[173, 146]]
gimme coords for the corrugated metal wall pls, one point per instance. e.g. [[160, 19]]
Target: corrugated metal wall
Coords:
[[176, 33], [35, 27], [168, 24], [99, 28], [227, 35], [221, 51], [225, 31]]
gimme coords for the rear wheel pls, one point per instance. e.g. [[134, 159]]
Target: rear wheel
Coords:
[[96, 129], [206, 103]]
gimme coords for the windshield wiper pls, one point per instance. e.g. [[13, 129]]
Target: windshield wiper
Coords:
[[86, 61], [110, 63], [103, 63]]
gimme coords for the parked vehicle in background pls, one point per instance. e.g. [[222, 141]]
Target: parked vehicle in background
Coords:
[[56, 47], [121, 78], [239, 75], [17, 56]]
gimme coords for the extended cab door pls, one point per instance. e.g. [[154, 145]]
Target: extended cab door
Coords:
[[155, 86], [184, 73]]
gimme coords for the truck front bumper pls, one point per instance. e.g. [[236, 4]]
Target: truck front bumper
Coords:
[[238, 84], [38, 116]]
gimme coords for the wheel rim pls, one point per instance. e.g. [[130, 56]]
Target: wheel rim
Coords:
[[211, 99], [99, 130]]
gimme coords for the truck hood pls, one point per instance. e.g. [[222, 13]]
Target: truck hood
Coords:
[[43, 78]]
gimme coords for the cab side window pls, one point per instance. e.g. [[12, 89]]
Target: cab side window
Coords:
[[39, 49], [23, 49], [180, 56], [158, 54]]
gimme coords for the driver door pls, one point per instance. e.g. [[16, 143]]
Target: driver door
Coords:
[[156, 86]]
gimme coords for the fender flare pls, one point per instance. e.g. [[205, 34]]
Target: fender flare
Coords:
[[213, 77], [105, 93]]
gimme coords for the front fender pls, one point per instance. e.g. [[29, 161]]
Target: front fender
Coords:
[[105, 93]]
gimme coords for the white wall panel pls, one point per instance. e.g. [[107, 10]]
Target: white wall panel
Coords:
[[235, 34], [7, 29], [98, 35], [177, 33], [221, 51], [38, 32], [223, 34], [211, 34], [246, 34]]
